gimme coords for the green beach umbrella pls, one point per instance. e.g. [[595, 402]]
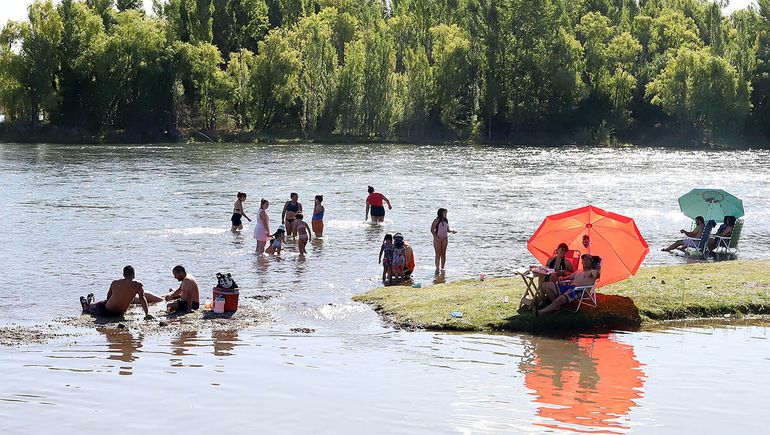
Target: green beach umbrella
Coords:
[[711, 204]]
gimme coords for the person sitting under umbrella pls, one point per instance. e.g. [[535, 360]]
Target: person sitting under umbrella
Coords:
[[562, 293], [725, 230], [694, 234]]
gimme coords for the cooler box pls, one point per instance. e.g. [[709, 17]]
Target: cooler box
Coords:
[[231, 297]]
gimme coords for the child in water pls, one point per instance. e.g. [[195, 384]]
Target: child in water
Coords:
[[238, 213], [277, 240], [302, 229], [386, 251], [399, 258]]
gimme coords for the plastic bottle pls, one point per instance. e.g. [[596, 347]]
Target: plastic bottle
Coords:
[[219, 305]]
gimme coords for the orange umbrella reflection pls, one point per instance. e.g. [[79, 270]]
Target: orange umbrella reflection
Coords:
[[587, 384]]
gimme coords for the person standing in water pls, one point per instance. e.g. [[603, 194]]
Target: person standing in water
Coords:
[[374, 203], [440, 230], [262, 229], [238, 212], [303, 230], [290, 210], [317, 220]]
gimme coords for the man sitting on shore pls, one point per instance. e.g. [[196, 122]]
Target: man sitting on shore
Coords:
[[119, 297], [564, 293], [186, 297]]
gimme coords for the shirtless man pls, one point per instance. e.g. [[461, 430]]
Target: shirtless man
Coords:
[[562, 294], [186, 297], [290, 210], [119, 297]]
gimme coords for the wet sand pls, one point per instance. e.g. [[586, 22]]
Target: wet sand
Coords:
[[248, 315]]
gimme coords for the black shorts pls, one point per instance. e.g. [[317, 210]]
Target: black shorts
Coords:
[[378, 211], [182, 305], [236, 220], [100, 310]]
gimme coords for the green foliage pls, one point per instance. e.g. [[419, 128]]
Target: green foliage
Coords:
[[204, 83], [701, 90], [462, 68], [274, 80]]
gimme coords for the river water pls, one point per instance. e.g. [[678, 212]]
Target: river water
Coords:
[[73, 216]]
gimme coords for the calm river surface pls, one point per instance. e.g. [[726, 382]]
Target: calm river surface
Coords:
[[73, 216]]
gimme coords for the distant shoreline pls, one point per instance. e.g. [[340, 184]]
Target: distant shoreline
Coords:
[[653, 139]]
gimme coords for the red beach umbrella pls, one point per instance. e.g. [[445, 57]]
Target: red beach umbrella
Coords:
[[594, 231]]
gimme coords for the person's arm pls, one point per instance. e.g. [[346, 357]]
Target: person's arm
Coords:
[[299, 207], [366, 217], [307, 228], [382, 248], [174, 293], [243, 212], [727, 232], [568, 266], [265, 223], [386, 200], [283, 213], [109, 292], [697, 232], [143, 301], [434, 228]]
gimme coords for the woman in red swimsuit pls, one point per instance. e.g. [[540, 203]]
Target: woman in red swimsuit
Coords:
[[374, 203]]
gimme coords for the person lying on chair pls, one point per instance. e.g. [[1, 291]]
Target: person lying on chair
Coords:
[[562, 293]]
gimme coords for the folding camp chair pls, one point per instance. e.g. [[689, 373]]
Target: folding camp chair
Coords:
[[729, 245], [587, 296], [697, 245], [573, 256]]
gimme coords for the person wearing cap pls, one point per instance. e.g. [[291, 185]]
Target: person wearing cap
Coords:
[[277, 240]]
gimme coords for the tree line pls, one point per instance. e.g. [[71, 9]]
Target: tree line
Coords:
[[466, 69]]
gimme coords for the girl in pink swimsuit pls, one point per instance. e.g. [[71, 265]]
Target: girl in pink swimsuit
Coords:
[[440, 230], [303, 233]]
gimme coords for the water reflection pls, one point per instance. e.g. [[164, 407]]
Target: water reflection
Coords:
[[224, 342], [122, 346], [585, 383]]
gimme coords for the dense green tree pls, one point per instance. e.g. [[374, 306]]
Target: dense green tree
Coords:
[[454, 79], [274, 80], [137, 76], [317, 78], [205, 84], [239, 71], [701, 90], [239, 24], [124, 5]]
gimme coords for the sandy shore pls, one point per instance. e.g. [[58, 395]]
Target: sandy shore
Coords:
[[250, 313]]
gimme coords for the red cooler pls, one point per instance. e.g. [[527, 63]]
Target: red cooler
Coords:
[[231, 297]]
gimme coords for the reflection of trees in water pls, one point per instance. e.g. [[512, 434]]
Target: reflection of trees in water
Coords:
[[582, 382], [122, 346]]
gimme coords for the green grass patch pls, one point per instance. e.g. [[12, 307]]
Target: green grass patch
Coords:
[[654, 294]]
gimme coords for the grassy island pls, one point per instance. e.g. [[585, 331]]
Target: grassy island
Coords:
[[702, 290]]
